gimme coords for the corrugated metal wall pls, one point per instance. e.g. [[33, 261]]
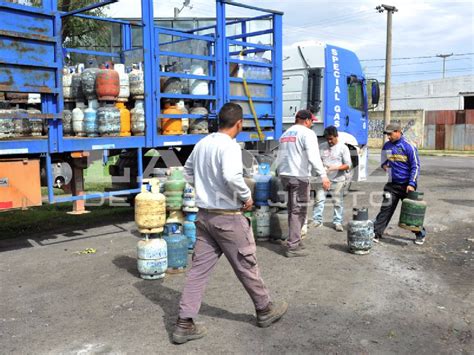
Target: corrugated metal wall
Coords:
[[449, 130]]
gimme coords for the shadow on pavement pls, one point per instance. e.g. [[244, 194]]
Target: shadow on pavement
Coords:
[[168, 299]]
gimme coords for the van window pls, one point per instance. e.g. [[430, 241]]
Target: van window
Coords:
[[355, 94]]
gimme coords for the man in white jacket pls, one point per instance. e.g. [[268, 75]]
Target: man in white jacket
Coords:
[[298, 157]]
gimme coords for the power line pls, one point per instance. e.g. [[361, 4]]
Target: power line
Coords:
[[421, 57]]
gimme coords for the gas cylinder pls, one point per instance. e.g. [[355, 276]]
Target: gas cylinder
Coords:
[[108, 117], [360, 232], [277, 193], [262, 215], [22, 126], [189, 228], [198, 87], [152, 258], [88, 77], [67, 120], [189, 196], [175, 217], [171, 126], [137, 117], [413, 212], [174, 200], [173, 86], [250, 182], [7, 127], [125, 120], [137, 83], [262, 185], [279, 229], [91, 124], [150, 211], [124, 93], [35, 123], [184, 121], [67, 85], [199, 126], [78, 120], [76, 84], [176, 180], [253, 221], [177, 244], [107, 84]]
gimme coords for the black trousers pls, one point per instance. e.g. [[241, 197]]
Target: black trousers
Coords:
[[392, 194]]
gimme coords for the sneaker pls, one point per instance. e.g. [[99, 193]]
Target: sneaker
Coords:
[[187, 330], [420, 240], [338, 227], [315, 224], [295, 252], [271, 314], [377, 238]]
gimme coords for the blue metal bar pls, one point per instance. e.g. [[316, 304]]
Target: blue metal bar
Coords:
[[246, 51], [97, 195], [72, 144], [254, 99], [252, 81], [251, 45], [151, 78], [108, 19], [25, 8], [245, 35], [233, 22], [85, 51], [187, 56], [140, 168], [126, 40], [237, 4], [186, 76], [28, 36], [87, 8], [187, 116], [277, 73], [23, 146], [187, 96], [185, 35], [248, 62], [157, 84], [221, 53], [49, 178], [27, 63]]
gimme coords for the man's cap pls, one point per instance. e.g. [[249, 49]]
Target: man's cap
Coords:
[[305, 115], [392, 127]]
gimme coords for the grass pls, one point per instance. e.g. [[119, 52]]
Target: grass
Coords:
[[53, 218]]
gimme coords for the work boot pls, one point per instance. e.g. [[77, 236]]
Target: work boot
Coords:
[[186, 330], [272, 313], [295, 252]]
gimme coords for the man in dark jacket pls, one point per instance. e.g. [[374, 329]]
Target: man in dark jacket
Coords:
[[400, 159]]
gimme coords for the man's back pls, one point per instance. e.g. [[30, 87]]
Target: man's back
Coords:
[[216, 165]]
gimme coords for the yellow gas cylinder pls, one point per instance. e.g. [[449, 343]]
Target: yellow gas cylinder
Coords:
[[125, 120], [150, 208], [171, 126]]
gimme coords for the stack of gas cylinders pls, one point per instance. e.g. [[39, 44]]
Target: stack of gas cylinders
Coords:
[[166, 217], [108, 100], [270, 216]]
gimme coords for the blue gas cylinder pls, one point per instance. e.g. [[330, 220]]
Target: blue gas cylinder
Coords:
[[190, 233], [262, 185], [152, 258], [177, 244]]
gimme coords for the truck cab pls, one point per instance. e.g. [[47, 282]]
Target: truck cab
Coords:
[[329, 81]]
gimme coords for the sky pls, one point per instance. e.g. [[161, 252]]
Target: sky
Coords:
[[421, 30]]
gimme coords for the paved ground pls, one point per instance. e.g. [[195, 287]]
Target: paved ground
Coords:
[[401, 298]]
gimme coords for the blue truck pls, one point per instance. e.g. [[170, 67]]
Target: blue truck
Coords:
[[329, 81], [32, 61]]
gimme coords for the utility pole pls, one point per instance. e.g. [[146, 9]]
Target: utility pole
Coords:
[[388, 62], [444, 56]]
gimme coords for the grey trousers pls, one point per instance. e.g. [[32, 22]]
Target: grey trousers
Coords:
[[298, 202], [232, 236]]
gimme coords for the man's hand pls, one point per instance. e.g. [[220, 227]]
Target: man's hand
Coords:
[[385, 167], [410, 188], [326, 184], [333, 168], [248, 205]]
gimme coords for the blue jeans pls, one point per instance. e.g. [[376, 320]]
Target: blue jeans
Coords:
[[337, 193]]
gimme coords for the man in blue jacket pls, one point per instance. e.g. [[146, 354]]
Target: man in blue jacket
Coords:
[[400, 159]]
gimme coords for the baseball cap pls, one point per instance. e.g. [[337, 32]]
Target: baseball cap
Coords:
[[305, 115], [392, 127]]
